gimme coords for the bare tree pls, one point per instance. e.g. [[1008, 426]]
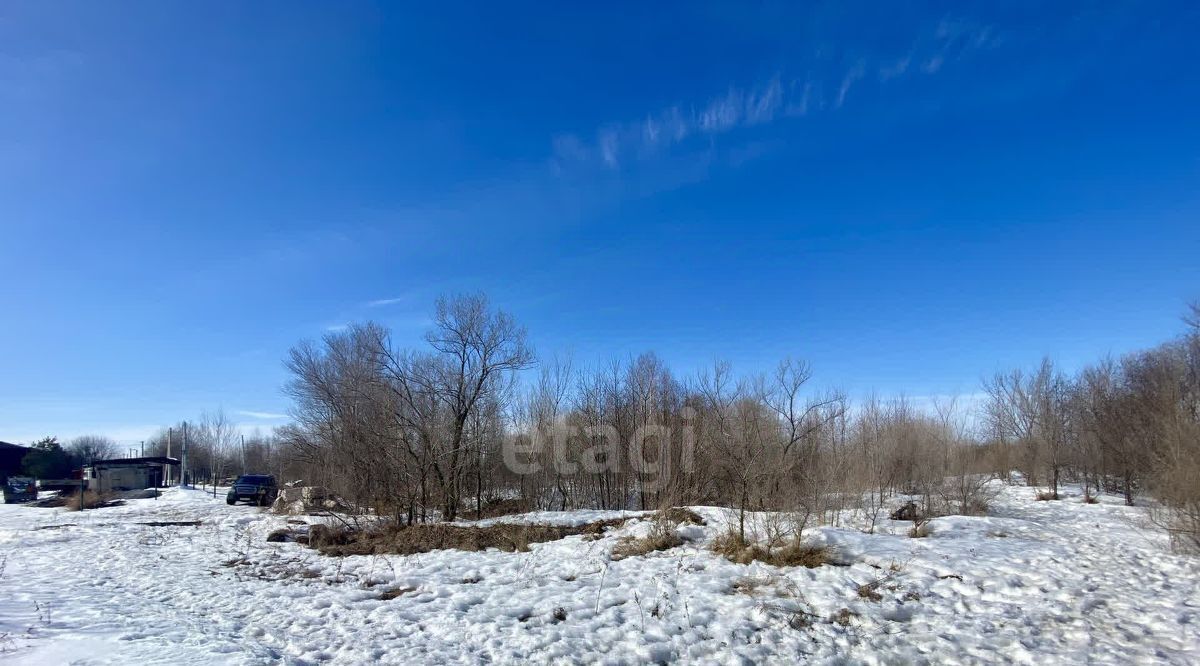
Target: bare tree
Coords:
[[219, 435], [87, 448]]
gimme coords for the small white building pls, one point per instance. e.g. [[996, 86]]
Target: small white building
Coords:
[[105, 476]]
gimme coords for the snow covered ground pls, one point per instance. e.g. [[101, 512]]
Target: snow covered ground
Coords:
[[1033, 583]]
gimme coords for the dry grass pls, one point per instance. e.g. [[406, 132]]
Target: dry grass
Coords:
[[663, 535], [843, 617], [870, 591], [423, 538], [749, 585], [1046, 495], [91, 500], [732, 547], [656, 541], [920, 530], [679, 516]]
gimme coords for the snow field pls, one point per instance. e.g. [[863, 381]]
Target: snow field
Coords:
[[1034, 582]]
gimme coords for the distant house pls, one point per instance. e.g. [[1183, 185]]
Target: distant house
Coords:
[[11, 456], [128, 473]]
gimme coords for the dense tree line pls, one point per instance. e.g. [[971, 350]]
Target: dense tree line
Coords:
[[217, 450], [467, 422], [470, 422], [447, 429], [49, 459], [1129, 426]]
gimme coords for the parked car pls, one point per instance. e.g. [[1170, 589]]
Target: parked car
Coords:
[[20, 489], [260, 489]]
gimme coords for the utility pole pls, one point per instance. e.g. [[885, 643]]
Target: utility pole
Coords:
[[168, 455], [243, 454], [143, 448], [183, 467]]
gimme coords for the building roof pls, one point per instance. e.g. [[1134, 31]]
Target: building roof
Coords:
[[6, 445], [130, 462]]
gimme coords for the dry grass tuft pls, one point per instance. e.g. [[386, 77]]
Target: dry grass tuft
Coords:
[[870, 591], [662, 537], [1046, 495], [732, 547], [798, 555], [631, 547]]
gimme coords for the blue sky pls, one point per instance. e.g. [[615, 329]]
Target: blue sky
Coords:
[[909, 197]]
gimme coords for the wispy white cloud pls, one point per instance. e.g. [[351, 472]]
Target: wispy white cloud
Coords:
[[897, 68], [335, 328], [620, 143], [852, 76], [386, 301], [826, 85], [954, 38], [261, 415]]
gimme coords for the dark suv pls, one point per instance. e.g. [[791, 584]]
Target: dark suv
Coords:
[[258, 488]]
